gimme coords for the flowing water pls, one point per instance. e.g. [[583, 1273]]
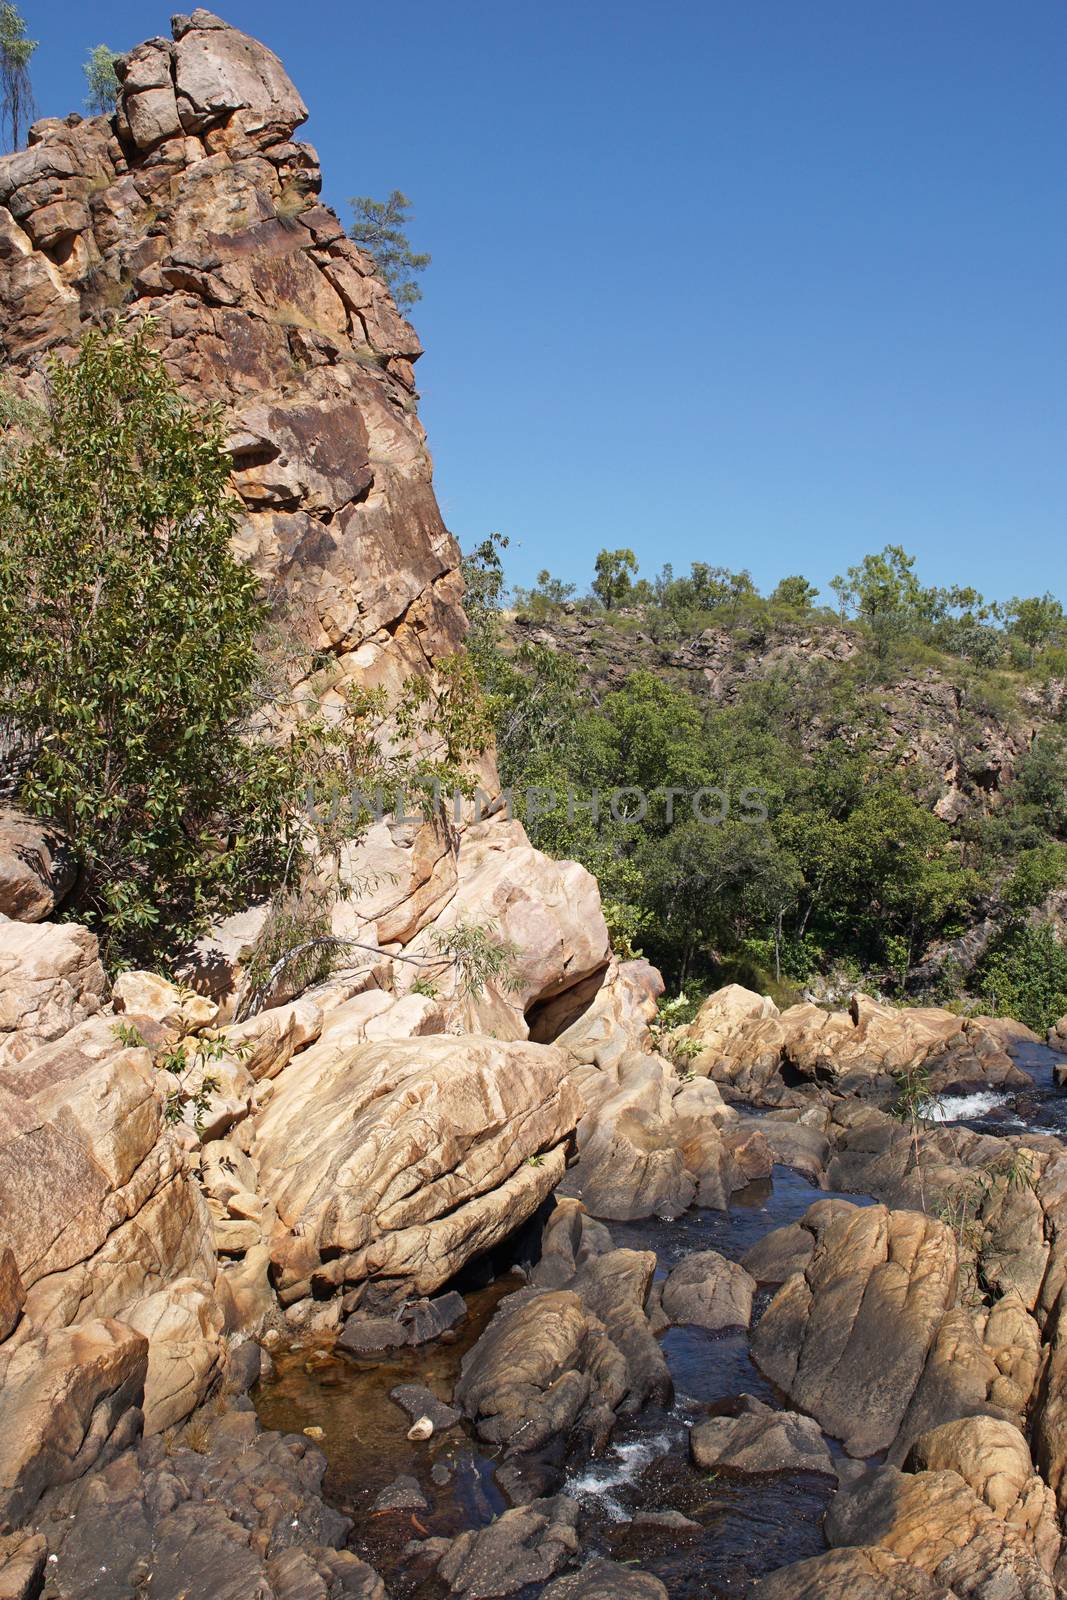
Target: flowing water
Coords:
[[746, 1528]]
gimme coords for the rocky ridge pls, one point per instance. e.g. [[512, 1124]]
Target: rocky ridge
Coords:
[[965, 750]]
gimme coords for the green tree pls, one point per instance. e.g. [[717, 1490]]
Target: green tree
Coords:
[[1024, 975], [101, 81], [128, 661], [1037, 621], [612, 582], [16, 90], [795, 591], [884, 592], [546, 597], [380, 228]]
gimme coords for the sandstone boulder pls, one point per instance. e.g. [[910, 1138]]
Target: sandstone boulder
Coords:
[[993, 1457], [183, 1325], [705, 1290], [401, 1160], [848, 1338], [761, 1441], [864, 1574], [37, 869], [68, 1400], [935, 1521], [50, 978]]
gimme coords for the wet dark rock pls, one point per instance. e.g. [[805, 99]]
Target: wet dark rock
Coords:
[[528, 1544], [544, 1372], [244, 1367], [705, 1290], [761, 1441], [403, 1494], [22, 1566], [417, 1322], [555, 1366], [418, 1401], [666, 1519], [606, 1580], [222, 1510]]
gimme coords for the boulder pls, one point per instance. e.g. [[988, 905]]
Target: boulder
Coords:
[[705, 1290], [630, 1164], [416, 1323], [780, 1253], [183, 1325], [993, 1457], [755, 1049], [37, 867], [12, 1293], [606, 1017], [22, 1565], [605, 1580], [218, 70], [935, 1521], [51, 977], [847, 1338], [526, 1545], [864, 1574], [761, 1441], [98, 1208], [218, 1508], [146, 994], [400, 1160], [547, 911], [68, 1401], [543, 1372]]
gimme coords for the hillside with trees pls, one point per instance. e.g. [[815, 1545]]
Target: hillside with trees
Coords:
[[909, 743]]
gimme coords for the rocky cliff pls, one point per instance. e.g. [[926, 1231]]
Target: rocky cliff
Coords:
[[195, 206], [941, 723]]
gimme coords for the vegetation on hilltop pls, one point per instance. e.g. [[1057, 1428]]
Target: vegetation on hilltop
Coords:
[[852, 874]]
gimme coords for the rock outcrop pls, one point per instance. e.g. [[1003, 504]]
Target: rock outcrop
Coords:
[[770, 1057], [847, 1338]]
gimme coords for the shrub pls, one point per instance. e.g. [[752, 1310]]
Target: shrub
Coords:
[[1025, 976], [128, 663]]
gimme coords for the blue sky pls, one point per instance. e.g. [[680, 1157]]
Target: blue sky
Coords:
[[765, 283]]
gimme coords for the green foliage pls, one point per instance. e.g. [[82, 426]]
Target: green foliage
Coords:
[[546, 598], [187, 1059], [1024, 975], [101, 82], [478, 957], [1038, 872], [16, 90], [380, 228], [128, 661], [796, 592], [1036, 621], [613, 582]]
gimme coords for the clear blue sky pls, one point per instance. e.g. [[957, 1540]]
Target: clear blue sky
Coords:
[[766, 283]]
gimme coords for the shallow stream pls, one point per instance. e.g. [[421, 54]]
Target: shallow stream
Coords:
[[747, 1528]]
